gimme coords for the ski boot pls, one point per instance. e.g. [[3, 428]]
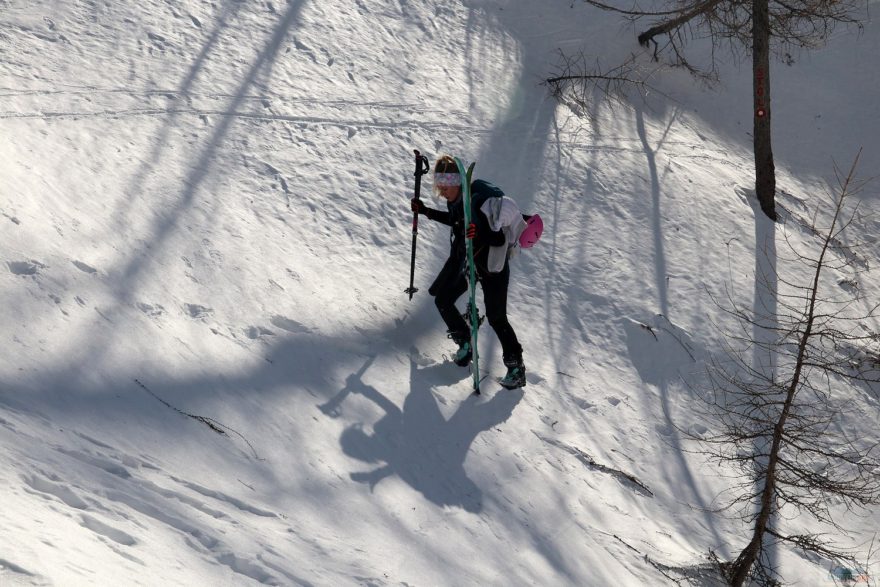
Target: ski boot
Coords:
[[516, 374], [464, 354]]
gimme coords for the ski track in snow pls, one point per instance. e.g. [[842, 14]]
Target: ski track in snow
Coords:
[[276, 109]]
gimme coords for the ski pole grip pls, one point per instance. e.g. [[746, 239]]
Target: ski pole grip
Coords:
[[422, 168]]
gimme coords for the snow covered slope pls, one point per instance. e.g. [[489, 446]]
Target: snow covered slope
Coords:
[[211, 375]]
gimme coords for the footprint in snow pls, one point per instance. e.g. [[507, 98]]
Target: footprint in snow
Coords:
[[10, 571], [305, 49], [150, 310], [289, 325], [114, 534], [108, 465], [55, 489], [583, 404], [85, 268], [664, 430], [255, 332], [25, 267], [197, 311], [699, 429]]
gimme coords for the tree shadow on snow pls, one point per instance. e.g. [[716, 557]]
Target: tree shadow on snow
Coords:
[[416, 442], [663, 355], [203, 161]]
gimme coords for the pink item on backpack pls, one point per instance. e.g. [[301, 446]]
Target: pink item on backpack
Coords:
[[532, 233]]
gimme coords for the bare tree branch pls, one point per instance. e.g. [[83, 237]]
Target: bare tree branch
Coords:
[[781, 427]]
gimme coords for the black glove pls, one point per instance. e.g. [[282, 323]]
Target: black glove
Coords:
[[418, 206]]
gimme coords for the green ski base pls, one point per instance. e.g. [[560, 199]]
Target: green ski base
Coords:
[[466, 174]]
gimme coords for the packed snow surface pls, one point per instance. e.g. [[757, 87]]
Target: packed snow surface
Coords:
[[211, 374]]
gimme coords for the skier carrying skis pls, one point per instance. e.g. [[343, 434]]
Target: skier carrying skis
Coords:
[[490, 257]]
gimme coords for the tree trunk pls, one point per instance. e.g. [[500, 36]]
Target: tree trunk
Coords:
[[743, 564], [765, 170], [765, 188]]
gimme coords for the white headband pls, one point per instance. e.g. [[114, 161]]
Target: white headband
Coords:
[[447, 179]]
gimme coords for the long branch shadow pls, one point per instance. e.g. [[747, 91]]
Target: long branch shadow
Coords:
[[660, 375], [149, 164], [417, 443], [297, 369], [660, 264], [515, 148], [662, 355], [56, 399], [200, 168]]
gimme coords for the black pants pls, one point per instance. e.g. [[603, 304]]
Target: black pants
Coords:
[[451, 283]]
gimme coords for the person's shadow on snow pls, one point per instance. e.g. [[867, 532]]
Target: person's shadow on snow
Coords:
[[417, 443]]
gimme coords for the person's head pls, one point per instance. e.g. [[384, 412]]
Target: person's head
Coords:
[[447, 180]]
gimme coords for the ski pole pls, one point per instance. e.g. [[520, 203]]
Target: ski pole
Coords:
[[422, 167]]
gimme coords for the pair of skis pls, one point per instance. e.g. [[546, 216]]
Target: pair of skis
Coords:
[[466, 173], [474, 320]]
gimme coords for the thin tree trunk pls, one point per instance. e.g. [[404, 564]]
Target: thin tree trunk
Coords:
[[765, 188], [765, 170], [745, 560]]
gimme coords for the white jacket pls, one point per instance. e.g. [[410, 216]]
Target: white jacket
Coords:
[[503, 214]]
